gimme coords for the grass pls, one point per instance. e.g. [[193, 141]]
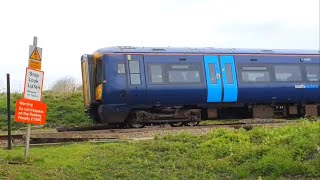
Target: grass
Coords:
[[64, 109], [286, 152]]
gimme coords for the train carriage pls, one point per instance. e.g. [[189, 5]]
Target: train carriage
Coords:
[[139, 86]]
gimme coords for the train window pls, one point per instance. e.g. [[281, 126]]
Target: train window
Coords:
[[179, 66], [252, 68], [135, 79], [229, 74], [99, 72], [290, 73], [212, 71], [313, 73], [184, 76], [121, 69], [134, 67], [184, 73], [255, 74], [156, 73]]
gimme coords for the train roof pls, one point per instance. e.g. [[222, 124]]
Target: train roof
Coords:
[[209, 50]]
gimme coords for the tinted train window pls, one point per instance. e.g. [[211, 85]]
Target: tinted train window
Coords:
[[99, 72], [213, 76], [121, 69], [313, 72], [229, 74], [135, 79], [260, 68], [134, 69], [184, 76], [156, 73], [289, 73], [186, 73], [255, 74]]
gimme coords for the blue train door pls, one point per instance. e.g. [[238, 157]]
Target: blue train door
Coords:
[[136, 79], [222, 85], [213, 76], [229, 78]]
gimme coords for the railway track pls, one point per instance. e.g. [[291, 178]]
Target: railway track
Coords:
[[14, 136], [224, 123], [111, 135]]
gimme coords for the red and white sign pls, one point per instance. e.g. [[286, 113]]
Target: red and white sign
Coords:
[[33, 84], [31, 112]]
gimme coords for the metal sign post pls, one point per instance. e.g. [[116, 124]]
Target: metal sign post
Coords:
[[26, 152], [9, 113], [35, 39]]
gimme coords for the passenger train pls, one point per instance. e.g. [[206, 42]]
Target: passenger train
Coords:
[[182, 86]]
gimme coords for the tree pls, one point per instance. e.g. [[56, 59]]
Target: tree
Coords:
[[64, 85]]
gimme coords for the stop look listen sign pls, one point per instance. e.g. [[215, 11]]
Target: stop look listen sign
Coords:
[[33, 85]]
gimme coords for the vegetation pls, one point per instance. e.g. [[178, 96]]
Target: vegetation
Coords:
[[63, 109], [65, 85], [3, 110], [292, 151]]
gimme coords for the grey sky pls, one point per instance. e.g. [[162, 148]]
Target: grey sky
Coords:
[[68, 29]]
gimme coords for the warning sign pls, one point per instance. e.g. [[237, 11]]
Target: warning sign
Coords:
[[34, 64], [33, 84], [35, 53], [31, 112]]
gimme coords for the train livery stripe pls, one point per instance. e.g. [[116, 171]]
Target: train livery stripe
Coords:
[[230, 84], [214, 84]]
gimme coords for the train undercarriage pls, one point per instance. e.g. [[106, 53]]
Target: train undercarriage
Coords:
[[175, 116], [264, 111], [191, 116]]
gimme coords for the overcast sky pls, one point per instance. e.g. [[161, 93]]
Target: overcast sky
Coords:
[[68, 29]]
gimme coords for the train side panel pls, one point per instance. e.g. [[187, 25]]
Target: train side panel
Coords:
[[276, 79], [175, 80]]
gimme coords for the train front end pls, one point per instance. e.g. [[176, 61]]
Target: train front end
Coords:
[[92, 83]]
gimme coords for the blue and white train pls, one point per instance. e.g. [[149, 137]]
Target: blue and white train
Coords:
[[139, 86]]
